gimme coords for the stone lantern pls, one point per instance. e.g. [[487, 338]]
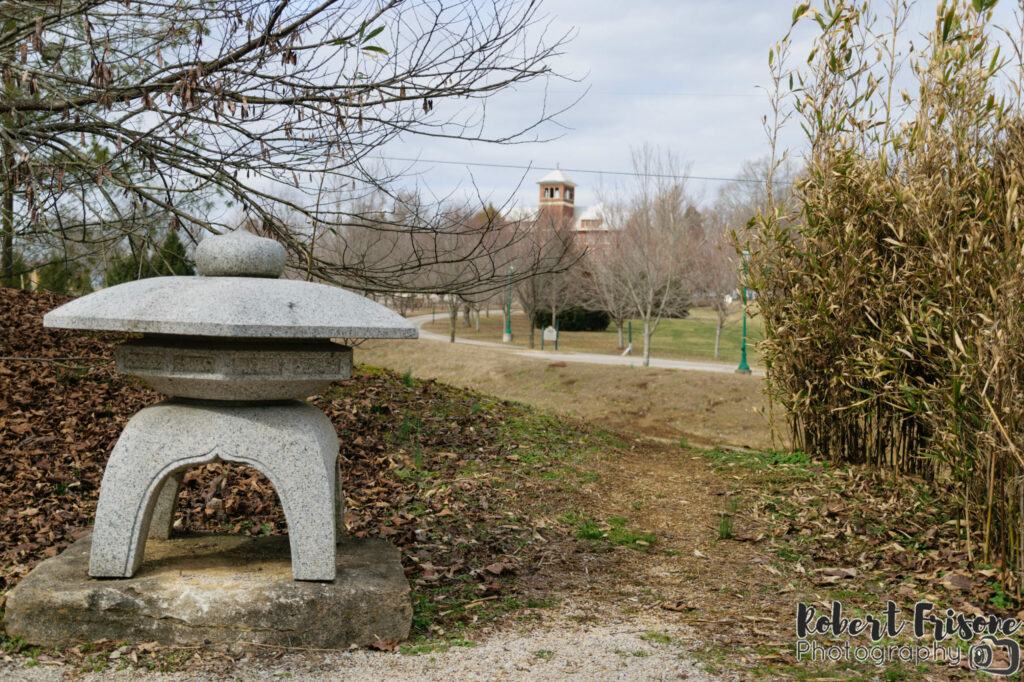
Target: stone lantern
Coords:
[[237, 349]]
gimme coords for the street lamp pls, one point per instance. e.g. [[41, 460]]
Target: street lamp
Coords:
[[507, 336], [744, 368]]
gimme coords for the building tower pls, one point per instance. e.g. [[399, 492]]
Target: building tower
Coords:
[[556, 197]]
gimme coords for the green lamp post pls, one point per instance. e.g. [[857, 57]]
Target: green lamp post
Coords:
[[744, 368], [507, 336]]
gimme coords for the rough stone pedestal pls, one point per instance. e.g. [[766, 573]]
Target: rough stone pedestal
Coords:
[[216, 589]]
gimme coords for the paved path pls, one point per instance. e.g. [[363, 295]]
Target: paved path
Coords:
[[569, 356]]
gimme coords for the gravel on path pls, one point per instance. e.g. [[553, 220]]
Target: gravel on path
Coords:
[[637, 647]]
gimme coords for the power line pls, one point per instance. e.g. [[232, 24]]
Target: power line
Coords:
[[640, 93], [579, 170]]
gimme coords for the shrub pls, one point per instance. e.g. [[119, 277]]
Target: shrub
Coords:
[[891, 292], [574, 320]]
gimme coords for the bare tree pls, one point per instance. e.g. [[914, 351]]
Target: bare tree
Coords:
[[716, 278], [604, 289], [479, 296], [562, 288], [738, 202], [114, 113], [382, 239], [475, 303], [546, 250], [659, 229], [454, 274]]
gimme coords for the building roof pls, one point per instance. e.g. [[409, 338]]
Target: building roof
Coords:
[[595, 212], [579, 214], [521, 213], [556, 177]]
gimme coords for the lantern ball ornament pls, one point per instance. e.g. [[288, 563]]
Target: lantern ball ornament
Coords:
[[237, 349]]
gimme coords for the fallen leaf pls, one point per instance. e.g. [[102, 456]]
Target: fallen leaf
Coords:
[[385, 644], [956, 581], [498, 568], [839, 572]]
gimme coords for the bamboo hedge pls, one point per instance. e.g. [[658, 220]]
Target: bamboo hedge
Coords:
[[892, 286]]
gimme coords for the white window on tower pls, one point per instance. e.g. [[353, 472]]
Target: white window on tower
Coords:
[[556, 192]]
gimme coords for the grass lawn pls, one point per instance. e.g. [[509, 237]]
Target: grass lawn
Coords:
[[690, 339]]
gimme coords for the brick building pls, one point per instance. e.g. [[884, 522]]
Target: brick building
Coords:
[[557, 203]]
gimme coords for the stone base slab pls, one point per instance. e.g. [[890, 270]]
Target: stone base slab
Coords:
[[215, 589]]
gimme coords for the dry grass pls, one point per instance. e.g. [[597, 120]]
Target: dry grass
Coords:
[[698, 407]]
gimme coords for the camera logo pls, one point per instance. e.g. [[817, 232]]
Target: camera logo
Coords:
[[995, 656]]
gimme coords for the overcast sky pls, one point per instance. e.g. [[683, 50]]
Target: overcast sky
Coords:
[[679, 74]]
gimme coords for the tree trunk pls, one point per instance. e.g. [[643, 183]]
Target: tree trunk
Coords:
[[453, 316], [718, 333], [467, 316], [478, 320], [618, 324], [647, 343], [7, 220]]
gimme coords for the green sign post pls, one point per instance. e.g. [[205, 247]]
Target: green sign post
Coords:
[[508, 310], [744, 368]]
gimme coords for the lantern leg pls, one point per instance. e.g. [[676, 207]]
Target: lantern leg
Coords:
[[293, 444], [162, 524], [339, 504]]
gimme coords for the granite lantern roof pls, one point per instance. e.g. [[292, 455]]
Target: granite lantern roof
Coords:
[[237, 294]]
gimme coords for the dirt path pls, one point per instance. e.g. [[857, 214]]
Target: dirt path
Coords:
[[711, 599]]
